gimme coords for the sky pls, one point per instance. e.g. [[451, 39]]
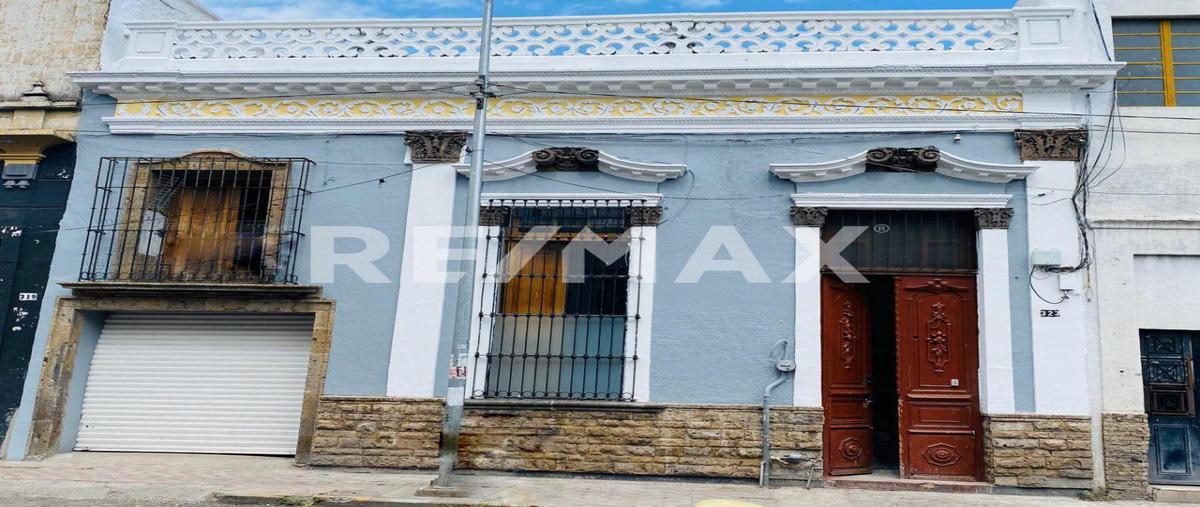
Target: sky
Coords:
[[342, 9]]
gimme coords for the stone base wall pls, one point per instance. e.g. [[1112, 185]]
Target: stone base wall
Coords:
[[1038, 451], [1126, 438], [668, 440], [377, 432]]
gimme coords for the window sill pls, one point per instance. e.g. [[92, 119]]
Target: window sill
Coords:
[[193, 289], [564, 405]]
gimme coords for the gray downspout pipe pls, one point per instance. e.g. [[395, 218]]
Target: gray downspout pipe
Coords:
[[764, 472]]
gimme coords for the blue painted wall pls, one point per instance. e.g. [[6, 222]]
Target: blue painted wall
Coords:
[[710, 339]]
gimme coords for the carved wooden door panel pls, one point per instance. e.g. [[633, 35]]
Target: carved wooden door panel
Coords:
[[1169, 379], [846, 378], [937, 377]]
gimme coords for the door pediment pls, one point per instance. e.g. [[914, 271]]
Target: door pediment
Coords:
[[576, 160], [947, 164]]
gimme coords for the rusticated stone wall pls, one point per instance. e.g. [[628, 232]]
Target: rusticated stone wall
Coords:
[[377, 432], [1039, 451], [1126, 438], [580, 437]]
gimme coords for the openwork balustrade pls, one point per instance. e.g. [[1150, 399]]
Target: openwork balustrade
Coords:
[[621, 35]]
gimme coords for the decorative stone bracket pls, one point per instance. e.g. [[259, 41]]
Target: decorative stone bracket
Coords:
[[436, 146], [993, 218], [1060, 144], [904, 159], [809, 217], [494, 216], [567, 159], [645, 216]]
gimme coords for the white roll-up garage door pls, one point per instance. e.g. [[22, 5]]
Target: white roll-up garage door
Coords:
[[228, 384]]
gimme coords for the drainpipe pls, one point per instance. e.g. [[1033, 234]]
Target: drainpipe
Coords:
[[783, 366]]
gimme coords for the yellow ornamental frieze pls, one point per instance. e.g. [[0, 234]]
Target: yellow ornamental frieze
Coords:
[[557, 108]]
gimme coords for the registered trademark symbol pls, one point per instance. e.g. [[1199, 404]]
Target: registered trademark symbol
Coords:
[[883, 228]]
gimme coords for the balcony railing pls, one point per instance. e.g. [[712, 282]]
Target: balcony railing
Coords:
[[201, 218], [592, 36]]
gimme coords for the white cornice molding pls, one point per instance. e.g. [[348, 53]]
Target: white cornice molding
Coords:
[[628, 169], [218, 79], [949, 165], [900, 201], [993, 122], [553, 199]]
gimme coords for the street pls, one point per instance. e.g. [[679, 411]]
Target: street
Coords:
[[177, 480]]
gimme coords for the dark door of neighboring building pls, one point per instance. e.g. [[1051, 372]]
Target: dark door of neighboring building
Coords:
[[1169, 380], [29, 222]]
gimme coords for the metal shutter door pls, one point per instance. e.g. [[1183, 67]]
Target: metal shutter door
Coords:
[[196, 383]]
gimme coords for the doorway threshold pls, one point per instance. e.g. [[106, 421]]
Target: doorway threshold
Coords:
[[1171, 493], [890, 480]]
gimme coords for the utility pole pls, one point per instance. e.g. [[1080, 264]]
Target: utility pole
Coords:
[[456, 390]]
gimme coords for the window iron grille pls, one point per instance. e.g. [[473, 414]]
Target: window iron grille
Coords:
[[560, 311], [906, 241], [211, 218]]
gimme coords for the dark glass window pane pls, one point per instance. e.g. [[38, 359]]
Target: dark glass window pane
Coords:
[[1137, 41], [1135, 26], [1139, 55], [1144, 100], [1187, 70], [1141, 71], [1139, 85], [1185, 26], [1188, 99]]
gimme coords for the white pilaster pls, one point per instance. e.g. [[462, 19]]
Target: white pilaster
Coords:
[[643, 267], [487, 262], [1060, 348], [995, 324], [423, 279], [807, 380]]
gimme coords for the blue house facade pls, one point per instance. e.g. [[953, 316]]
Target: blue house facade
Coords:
[[261, 254]]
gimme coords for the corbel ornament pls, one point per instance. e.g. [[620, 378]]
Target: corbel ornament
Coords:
[[993, 218], [494, 216], [569, 159], [645, 216], [1054, 144], [904, 159], [809, 217], [436, 146]]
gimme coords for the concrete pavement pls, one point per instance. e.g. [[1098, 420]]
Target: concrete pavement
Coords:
[[153, 480]]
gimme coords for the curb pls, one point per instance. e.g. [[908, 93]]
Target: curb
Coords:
[[312, 501]]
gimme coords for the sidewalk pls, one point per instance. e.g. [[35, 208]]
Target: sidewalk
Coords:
[[100, 477]]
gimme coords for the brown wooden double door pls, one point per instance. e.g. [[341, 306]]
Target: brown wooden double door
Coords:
[[937, 363]]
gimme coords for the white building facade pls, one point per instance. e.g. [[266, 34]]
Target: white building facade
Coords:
[[1145, 211]]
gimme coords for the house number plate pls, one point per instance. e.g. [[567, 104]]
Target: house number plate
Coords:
[[1051, 314]]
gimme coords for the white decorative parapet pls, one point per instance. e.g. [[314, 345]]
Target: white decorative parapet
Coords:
[[593, 36]]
